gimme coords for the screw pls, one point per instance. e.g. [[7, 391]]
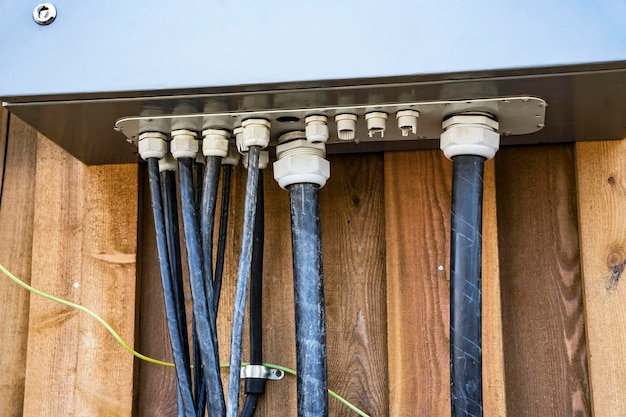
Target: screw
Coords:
[[44, 13], [279, 373], [541, 125]]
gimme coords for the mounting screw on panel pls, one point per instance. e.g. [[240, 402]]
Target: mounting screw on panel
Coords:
[[376, 123], [44, 13]]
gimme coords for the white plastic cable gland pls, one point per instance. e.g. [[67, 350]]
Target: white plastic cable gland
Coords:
[[301, 162], [256, 132], [376, 123], [152, 145], [470, 135], [317, 129], [215, 142], [232, 158], [264, 159], [407, 121], [238, 133], [184, 144], [167, 163], [346, 126]]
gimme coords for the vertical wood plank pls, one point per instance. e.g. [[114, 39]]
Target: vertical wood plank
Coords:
[[84, 245], [494, 396], [156, 385], [417, 212], [352, 215], [601, 176], [16, 229], [543, 322]]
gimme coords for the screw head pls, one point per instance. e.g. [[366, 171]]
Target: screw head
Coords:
[[44, 13]]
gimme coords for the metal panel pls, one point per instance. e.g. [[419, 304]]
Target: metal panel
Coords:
[[119, 46]]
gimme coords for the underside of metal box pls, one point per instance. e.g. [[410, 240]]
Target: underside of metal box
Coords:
[[83, 78]]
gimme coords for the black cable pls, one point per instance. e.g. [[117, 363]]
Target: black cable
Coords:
[[182, 368], [198, 174], [170, 211], [465, 286], [200, 387], [311, 355], [209, 356], [207, 225], [221, 240], [249, 406], [243, 277], [256, 386]]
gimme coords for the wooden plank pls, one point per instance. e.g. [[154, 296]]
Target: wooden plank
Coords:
[[494, 395], [156, 386], [542, 314], [4, 133], [353, 240], [601, 175], [16, 228], [84, 245], [417, 212]]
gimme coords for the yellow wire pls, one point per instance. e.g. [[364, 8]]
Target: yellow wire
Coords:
[[144, 357]]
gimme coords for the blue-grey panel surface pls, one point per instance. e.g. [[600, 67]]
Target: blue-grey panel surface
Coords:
[[120, 45]]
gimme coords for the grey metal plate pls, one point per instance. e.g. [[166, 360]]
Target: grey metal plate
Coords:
[[516, 116], [96, 47]]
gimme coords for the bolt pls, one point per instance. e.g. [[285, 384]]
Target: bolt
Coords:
[[541, 125], [279, 373], [44, 13]]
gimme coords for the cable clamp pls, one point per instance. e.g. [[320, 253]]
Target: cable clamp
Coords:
[[261, 372]]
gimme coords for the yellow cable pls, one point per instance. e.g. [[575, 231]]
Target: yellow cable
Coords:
[[139, 355]]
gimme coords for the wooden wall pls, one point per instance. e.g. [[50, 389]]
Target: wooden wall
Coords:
[[554, 308]]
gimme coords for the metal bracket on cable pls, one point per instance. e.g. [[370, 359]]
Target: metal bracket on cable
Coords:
[[261, 372]]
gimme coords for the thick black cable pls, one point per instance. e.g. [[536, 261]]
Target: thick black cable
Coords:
[[201, 312], [221, 240], [465, 286], [182, 368], [311, 355], [170, 211], [256, 386], [207, 225], [243, 278]]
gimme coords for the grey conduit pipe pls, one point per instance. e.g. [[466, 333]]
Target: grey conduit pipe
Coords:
[[302, 170], [469, 139]]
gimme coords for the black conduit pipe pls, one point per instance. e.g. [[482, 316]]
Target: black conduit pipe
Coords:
[[182, 369], [201, 311], [243, 277], [256, 386], [465, 286], [221, 240], [311, 356]]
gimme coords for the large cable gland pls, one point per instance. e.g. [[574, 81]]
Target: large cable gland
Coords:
[[470, 134], [300, 162]]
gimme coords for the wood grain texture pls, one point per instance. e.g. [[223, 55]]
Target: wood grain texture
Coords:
[[601, 175], [156, 386], [352, 213], [494, 395], [84, 245], [543, 320], [417, 212], [16, 230]]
